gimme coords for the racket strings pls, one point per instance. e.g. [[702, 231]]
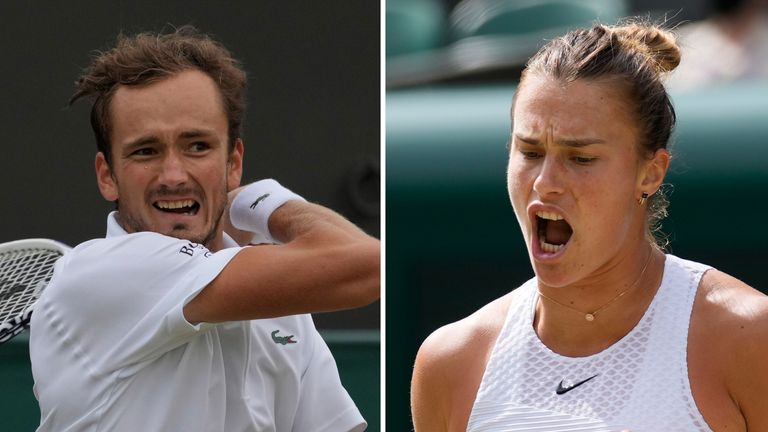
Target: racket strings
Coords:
[[23, 273]]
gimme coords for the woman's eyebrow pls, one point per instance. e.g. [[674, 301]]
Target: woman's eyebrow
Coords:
[[568, 142]]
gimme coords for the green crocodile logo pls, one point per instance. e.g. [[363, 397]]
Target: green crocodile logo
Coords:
[[282, 340]]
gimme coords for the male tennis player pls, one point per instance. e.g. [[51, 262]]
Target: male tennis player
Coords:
[[148, 329]]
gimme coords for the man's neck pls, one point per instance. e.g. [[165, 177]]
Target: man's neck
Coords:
[[217, 243]]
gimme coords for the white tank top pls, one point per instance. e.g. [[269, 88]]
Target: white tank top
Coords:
[[639, 384]]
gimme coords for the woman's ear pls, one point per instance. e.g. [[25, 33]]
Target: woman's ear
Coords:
[[653, 172]]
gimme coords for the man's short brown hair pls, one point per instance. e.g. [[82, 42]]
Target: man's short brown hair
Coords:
[[149, 57]]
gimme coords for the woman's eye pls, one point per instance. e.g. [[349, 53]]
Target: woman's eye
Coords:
[[527, 154], [583, 160]]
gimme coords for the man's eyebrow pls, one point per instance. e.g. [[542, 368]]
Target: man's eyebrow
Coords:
[[196, 133], [568, 142], [140, 141], [153, 139]]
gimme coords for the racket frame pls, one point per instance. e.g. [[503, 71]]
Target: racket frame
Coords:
[[15, 323]]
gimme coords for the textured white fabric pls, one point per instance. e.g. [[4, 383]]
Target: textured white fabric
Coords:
[[111, 350], [641, 382]]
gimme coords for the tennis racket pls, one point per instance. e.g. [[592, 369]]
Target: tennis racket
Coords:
[[26, 267]]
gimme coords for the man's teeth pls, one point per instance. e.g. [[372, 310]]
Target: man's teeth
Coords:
[[549, 215], [175, 204]]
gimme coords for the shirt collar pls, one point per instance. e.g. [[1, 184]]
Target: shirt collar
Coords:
[[114, 229]]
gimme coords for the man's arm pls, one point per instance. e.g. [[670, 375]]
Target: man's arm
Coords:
[[325, 263]]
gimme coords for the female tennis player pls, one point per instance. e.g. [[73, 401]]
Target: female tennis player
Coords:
[[611, 334]]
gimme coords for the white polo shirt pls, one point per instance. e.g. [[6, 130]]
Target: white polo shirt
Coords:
[[112, 351]]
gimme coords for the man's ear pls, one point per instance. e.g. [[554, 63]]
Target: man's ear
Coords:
[[653, 173], [105, 179], [235, 165]]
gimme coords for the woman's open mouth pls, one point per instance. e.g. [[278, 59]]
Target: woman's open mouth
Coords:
[[553, 231]]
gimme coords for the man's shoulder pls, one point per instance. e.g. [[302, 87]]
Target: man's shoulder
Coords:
[[138, 244], [125, 260]]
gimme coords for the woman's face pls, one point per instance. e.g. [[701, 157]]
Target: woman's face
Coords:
[[574, 178]]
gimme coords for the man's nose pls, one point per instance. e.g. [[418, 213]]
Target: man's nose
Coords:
[[173, 171]]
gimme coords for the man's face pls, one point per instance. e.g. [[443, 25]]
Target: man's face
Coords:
[[171, 167]]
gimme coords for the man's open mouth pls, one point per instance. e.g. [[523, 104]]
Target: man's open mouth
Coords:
[[186, 207], [553, 231]]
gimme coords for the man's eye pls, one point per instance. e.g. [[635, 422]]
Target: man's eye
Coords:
[[199, 146], [146, 151]]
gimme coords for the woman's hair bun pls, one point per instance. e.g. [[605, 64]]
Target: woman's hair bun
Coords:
[[658, 44]]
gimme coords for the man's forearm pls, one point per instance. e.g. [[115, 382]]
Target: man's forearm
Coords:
[[297, 219], [324, 263]]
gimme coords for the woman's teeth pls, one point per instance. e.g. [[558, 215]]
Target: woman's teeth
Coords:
[[546, 247], [549, 215], [545, 217]]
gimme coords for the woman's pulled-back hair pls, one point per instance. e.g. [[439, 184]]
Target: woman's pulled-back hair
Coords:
[[150, 57], [635, 56]]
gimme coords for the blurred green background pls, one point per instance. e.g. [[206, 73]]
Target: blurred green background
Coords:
[[453, 243]]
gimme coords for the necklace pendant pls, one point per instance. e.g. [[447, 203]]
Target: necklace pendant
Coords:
[[589, 317]]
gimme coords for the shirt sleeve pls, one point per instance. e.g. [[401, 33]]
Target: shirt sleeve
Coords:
[[121, 299], [324, 405]]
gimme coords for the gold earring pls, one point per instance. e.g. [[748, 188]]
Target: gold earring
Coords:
[[643, 198]]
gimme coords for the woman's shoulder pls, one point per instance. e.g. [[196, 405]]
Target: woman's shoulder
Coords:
[[471, 335], [729, 303], [731, 313], [450, 365], [728, 339]]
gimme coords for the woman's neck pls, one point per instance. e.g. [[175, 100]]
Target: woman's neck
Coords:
[[616, 299]]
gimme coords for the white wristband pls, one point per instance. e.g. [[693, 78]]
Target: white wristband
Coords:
[[252, 207]]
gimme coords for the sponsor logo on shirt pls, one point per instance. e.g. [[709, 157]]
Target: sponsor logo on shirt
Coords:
[[561, 389], [192, 248], [282, 340]]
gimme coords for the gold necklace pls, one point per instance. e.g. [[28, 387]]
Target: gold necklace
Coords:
[[590, 316]]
